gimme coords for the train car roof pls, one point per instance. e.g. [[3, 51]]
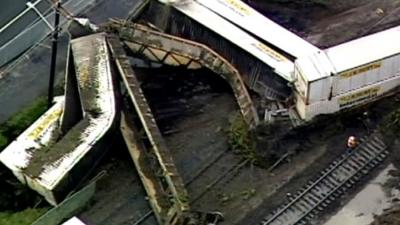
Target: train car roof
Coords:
[[365, 50], [350, 55], [282, 66], [315, 66], [254, 22]]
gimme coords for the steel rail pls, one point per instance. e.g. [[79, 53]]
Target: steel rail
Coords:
[[369, 155]]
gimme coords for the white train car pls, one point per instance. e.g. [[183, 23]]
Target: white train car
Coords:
[[348, 75], [203, 15], [73, 221], [254, 22], [54, 168]]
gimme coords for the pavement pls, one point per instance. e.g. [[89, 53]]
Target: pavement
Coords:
[[26, 79]]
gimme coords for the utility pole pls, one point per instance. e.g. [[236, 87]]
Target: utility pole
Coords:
[[54, 54]]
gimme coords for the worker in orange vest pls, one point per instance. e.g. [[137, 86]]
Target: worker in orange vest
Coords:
[[352, 143]]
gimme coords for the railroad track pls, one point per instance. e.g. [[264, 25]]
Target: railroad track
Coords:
[[335, 180], [227, 175]]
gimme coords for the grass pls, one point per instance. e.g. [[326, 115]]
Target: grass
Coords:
[[20, 121], [25, 217], [9, 130], [241, 140], [390, 125]]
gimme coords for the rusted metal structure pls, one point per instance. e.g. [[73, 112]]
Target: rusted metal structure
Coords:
[[168, 196], [258, 75], [171, 50], [164, 186]]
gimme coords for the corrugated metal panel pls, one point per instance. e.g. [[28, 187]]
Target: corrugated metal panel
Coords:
[[17, 155], [82, 146], [315, 66], [254, 71], [365, 50], [366, 75], [318, 91], [348, 100], [201, 14], [91, 60], [353, 58], [249, 19]]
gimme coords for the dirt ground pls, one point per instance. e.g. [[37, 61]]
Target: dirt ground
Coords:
[[194, 109], [119, 198], [333, 21], [391, 216]]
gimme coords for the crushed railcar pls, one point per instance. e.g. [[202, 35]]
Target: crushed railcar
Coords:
[[314, 81]]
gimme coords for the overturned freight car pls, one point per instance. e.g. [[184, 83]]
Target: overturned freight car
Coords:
[[348, 75]]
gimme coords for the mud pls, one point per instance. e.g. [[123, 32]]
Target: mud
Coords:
[[390, 217], [329, 132], [50, 155], [373, 199], [331, 22], [193, 110], [120, 198], [195, 118]]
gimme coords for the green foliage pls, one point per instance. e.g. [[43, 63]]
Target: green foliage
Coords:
[[226, 198], [395, 120], [241, 140], [20, 121], [391, 124], [3, 141], [247, 194], [26, 217]]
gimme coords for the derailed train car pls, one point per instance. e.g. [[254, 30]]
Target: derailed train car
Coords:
[[348, 75], [265, 70], [324, 81]]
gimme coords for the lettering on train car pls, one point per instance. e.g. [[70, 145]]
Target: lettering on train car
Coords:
[[358, 97], [361, 69], [267, 50], [236, 6], [35, 134]]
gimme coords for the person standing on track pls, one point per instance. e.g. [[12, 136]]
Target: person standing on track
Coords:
[[352, 143]]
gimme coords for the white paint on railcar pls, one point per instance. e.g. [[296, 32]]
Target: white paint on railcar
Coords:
[[17, 155], [348, 100], [347, 70], [249, 19], [282, 66], [315, 66], [318, 96], [365, 50], [53, 174], [73, 221], [354, 57], [367, 74]]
